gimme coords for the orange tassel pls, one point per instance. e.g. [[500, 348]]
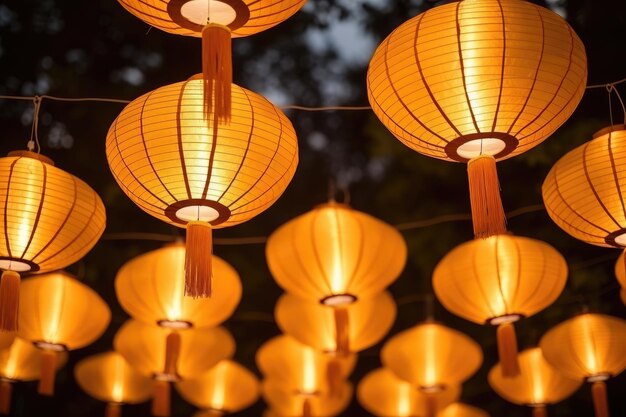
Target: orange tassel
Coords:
[[113, 410], [334, 378], [487, 212], [540, 411], [342, 331], [217, 71], [172, 351], [6, 390], [162, 399], [431, 405], [600, 402], [306, 408], [507, 350], [198, 268], [48, 372], [9, 301]]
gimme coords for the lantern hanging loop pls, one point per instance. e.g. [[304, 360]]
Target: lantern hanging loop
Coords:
[[610, 88], [34, 137]]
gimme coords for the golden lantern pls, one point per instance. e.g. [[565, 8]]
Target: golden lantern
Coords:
[[216, 22], [227, 388], [21, 361], [432, 357], [582, 192], [538, 384], [300, 368], [109, 378], [170, 355], [177, 167], [588, 347], [383, 394], [620, 273], [51, 220], [335, 255], [462, 410], [339, 330], [59, 313], [478, 81], [150, 288], [497, 281], [289, 403]]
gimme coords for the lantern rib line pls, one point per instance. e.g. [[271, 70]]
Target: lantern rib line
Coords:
[[462, 64], [502, 67], [513, 305], [497, 265], [318, 259], [181, 151], [614, 171], [6, 209], [39, 209], [592, 187], [308, 276], [480, 283]]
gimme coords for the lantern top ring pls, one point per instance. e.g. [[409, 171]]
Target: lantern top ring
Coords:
[[17, 264], [466, 147], [338, 300], [608, 129], [195, 14], [507, 318], [598, 377], [49, 346], [175, 324], [197, 209], [33, 155]]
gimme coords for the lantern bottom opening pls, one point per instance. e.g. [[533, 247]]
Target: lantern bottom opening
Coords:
[[338, 300], [617, 239], [477, 147], [598, 377], [432, 389], [197, 209], [496, 144], [195, 14], [174, 324], [10, 264], [164, 377], [507, 318], [49, 346]]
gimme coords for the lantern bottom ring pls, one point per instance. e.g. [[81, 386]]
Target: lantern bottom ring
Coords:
[[52, 347], [175, 324], [432, 389], [194, 14], [496, 144], [338, 300], [598, 377], [617, 238], [507, 318], [216, 411], [17, 265], [197, 209], [307, 394], [161, 376]]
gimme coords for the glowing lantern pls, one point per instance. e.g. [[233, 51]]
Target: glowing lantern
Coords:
[[462, 410], [537, 385], [51, 220], [339, 330], [177, 167], [620, 272], [21, 361], [588, 347], [335, 255], [432, 357], [151, 287], [170, 355], [109, 378], [498, 281], [478, 81], [300, 368], [58, 314], [289, 403], [383, 394], [227, 388]]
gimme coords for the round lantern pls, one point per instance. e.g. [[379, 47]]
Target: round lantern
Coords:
[[335, 255], [339, 330], [289, 403], [300, 368], [538, 384], [478, 81], [620, 273], [582, 192], [176, 166], [109, 378], [227, 388], [21, 361], [432, 357], [51, 220], [462, 410], [216, 21], [497, 281], [588, 347], [151, 289], [383, 394], [59, 313], [169, 355]]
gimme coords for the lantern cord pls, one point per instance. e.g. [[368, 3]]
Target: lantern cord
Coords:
[[34, 131], [610, 88]]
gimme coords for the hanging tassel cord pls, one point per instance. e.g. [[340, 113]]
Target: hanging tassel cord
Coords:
[[488, 215], [431, 405], [161, 403], [9, 301], [334, 377], [306, 408], [6, 392], [217, 71], [342, 331], [600, 401], [172, 352], [113, 410], [507, 350], [48, 373], [540, 411], [198, 265]]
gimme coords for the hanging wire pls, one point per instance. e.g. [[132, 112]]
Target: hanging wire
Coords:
[[611, 88]]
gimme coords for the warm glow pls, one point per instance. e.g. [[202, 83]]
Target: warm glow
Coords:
[[286, 402], [21, 361]]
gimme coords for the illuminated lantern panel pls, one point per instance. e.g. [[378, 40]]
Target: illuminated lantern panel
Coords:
[[462, 410], [287, 403], [620, 273]]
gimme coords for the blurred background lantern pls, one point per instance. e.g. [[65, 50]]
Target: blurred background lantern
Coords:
[[588, 347], [383, 394], [151, 289], [51, 220], [335, 255], [216, 21], [339, 330], [109, 378], [538, 384], [175, 165], [59, 313], [478, 81], [462, 410], [289, 403], [19, 362], [171, 355], [620, 273], [226, 389], [497, 281]]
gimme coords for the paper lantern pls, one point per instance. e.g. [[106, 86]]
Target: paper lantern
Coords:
[[227, 388], [151, 286], [497, 281], [179, 168], [383, 394], [20, 361], [432, 357], [588, 347], [51, 220], [108, 377], [462, 410], [620, 273], [59, 313], [300, 368], [538, 384], [478, 81], [582, 192], [289, 403], [216, 21], [335, 255], [169, 355]]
